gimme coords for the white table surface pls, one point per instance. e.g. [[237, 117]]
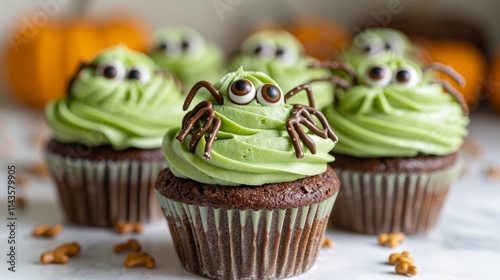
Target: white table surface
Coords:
[[465, 244]]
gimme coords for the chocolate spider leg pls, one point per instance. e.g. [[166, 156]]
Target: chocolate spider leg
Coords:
[[334, 65], [294, 137], [456, 94], [334, 80], [308, 142], [73, 78], [300, 88], [193, 117], [448, 70], [211, 138], [194, 90], [306, 112], [307, 120], [166, 73], [197, 136]]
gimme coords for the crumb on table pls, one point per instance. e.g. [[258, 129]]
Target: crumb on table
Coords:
[[493, 172], [39, 169], [472, 148], [327, 242]]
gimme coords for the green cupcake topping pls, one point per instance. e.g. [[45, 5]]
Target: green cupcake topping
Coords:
[[184, 52], [395, 112], [120, 99], [252, 146], [280, 55], [376, 41]]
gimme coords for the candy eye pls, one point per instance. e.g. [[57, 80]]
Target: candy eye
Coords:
[[113, 70], [169, 47], [406, 76], [286, 56], [378, 75], [242, 92], [139, 73], [268, 94], [264, 51], [192, 44], [373, 48], [185, 45]]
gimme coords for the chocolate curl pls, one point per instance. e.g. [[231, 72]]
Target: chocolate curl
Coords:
[[300, 88], [189, 121], [302, 115], [194, 90], [448, 70], [457, 77], [165, 73], [335, 65]]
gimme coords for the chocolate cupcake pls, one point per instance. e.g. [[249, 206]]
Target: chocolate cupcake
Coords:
[[400, 132], [105, 154], [243, 196]]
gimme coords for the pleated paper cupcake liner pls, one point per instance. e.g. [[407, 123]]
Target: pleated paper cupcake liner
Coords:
[[373, 203], [225, 243], [100, 193]]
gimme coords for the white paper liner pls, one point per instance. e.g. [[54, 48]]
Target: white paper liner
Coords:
[[100, 193], [374, 203], [225, 243]]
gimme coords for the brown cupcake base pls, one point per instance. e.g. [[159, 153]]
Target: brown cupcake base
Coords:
[[395, 199], [239, 243], [98, 190]]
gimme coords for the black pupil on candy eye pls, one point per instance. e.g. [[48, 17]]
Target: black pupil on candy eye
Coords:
[[134, 74], [109, 72], [280, 52], [241, 87], [163, 46], [185, 45], [367, 49], [376, 73], [258, 50], [388, 46], [271, 93], [403, 76]]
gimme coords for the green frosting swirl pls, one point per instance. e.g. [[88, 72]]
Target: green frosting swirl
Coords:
[[395, 120], [121, 113], [290, 70], [252, 146], [377, 41], [202, 60]]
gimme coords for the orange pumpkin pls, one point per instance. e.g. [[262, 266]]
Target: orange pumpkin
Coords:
[[39, 63], [467, 59], [494, 84], [322, 39]]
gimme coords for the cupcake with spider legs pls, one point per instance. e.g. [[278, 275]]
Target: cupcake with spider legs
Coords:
[[248, 191], [401, 130]]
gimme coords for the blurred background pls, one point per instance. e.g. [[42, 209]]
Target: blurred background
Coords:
[[43, 40]]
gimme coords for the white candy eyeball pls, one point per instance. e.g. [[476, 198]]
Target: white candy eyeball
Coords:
[[170, 47], [406, 76], [268, 94], [287, 56], [139, 73], [378, 76], [113, 70], [242, 92]]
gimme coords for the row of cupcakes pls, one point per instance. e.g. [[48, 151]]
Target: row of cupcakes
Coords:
[[248, 167]]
